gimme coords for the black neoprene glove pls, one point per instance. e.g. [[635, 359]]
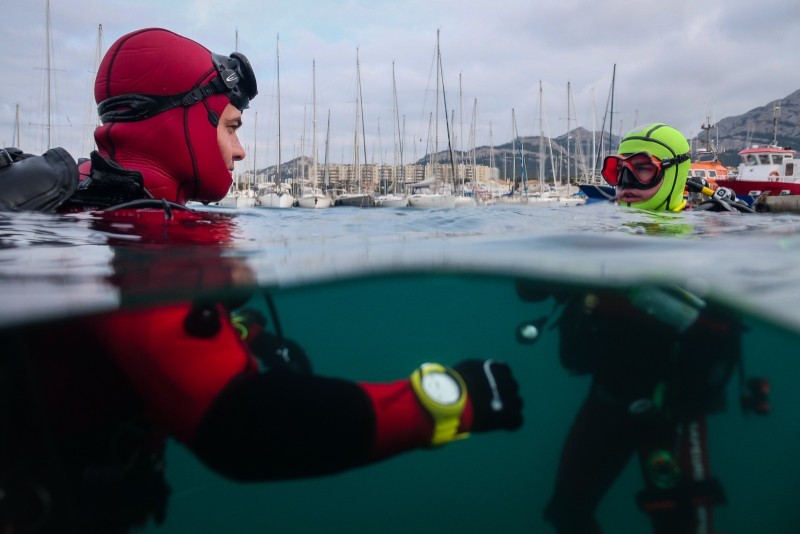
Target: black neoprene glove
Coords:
[[274, 351], [281, 354], [494, 393]]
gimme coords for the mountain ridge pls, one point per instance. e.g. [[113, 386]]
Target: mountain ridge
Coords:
[[758, 126]]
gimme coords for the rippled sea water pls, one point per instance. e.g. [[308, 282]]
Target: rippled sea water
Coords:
[[371, 293]]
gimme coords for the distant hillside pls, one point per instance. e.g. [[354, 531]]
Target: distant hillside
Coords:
[[756, 127], [732, 135]]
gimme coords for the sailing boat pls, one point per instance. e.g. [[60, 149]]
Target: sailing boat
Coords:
[[93, 121], [602, 191], [463, 198], [358, 198], [561, 193], [514, 196], [236, 197], [393, 199], [313, 197], [276, 197], [769, 170], [47, 136], [441, 195], [543, 197]]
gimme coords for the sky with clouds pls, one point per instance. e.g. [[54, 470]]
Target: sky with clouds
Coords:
[[677, 61]]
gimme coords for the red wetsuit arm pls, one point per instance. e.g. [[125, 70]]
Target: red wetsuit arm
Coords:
[[176, 374], [401, 423], [280, 424], [258, 426]]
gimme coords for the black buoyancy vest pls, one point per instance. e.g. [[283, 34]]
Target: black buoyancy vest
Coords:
[[36, 183], [51, 182]]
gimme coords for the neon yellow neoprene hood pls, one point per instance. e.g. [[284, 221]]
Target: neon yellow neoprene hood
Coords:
[[663, 142]]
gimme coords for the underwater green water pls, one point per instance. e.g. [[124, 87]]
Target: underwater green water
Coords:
[[380, 328]]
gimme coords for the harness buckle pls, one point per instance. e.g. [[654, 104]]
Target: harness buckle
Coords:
[[5, 158]]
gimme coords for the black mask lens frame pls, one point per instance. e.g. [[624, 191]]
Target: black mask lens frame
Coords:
[[238, 77]]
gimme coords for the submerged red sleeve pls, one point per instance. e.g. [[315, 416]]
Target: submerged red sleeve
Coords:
[[401, 423], [177, 375]]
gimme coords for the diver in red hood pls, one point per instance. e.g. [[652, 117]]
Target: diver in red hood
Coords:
[[204, 372], [170, 109]]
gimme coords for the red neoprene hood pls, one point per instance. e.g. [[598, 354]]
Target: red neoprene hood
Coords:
[[176, 150]]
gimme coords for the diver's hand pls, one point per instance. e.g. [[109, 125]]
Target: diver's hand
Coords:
[[494, 394], [281, 354]]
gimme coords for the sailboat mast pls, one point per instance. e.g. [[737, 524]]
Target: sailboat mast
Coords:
[[541, 141], [278, 71], [255, 141], [436, 124], [395, 131], [402, 133], [776, 112], [447, 122], [491, 149], [16, 128], [428, 149], [314, 122], [611, 115], [474, 143], [400, 129], [594, 138], [356, 144], [513, 151], [92, 120], [462, 170], [47, 68], [363, 128], [569, 93], [356, 170], [327, 145], [523, 173]]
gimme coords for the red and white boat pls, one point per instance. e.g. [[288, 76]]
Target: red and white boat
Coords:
[[766, 170], [771, 170]]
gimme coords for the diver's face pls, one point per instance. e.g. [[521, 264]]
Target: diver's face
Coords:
[[641, 168], [227, 136], [625, 194]]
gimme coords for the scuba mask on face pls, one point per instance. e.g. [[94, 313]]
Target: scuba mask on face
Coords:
[[235, 79], [637, 171], [672, 150]]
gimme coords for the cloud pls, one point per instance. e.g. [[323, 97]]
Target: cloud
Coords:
[[676, 62]]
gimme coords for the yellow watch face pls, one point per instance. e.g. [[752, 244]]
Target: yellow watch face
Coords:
[[443, 394], [441, 388]]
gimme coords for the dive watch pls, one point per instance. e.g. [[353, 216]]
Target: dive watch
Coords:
[[442, 392]]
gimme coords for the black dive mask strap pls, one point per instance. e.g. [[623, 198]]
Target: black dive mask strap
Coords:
[[137, 107]]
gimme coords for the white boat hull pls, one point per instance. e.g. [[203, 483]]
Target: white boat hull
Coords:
[[314, 202], [274, 200], [391, 201], [571, 201], [237, 200], [431, 201], [466, 202]]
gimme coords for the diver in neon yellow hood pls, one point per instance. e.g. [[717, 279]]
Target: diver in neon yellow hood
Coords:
[[651, 169]]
